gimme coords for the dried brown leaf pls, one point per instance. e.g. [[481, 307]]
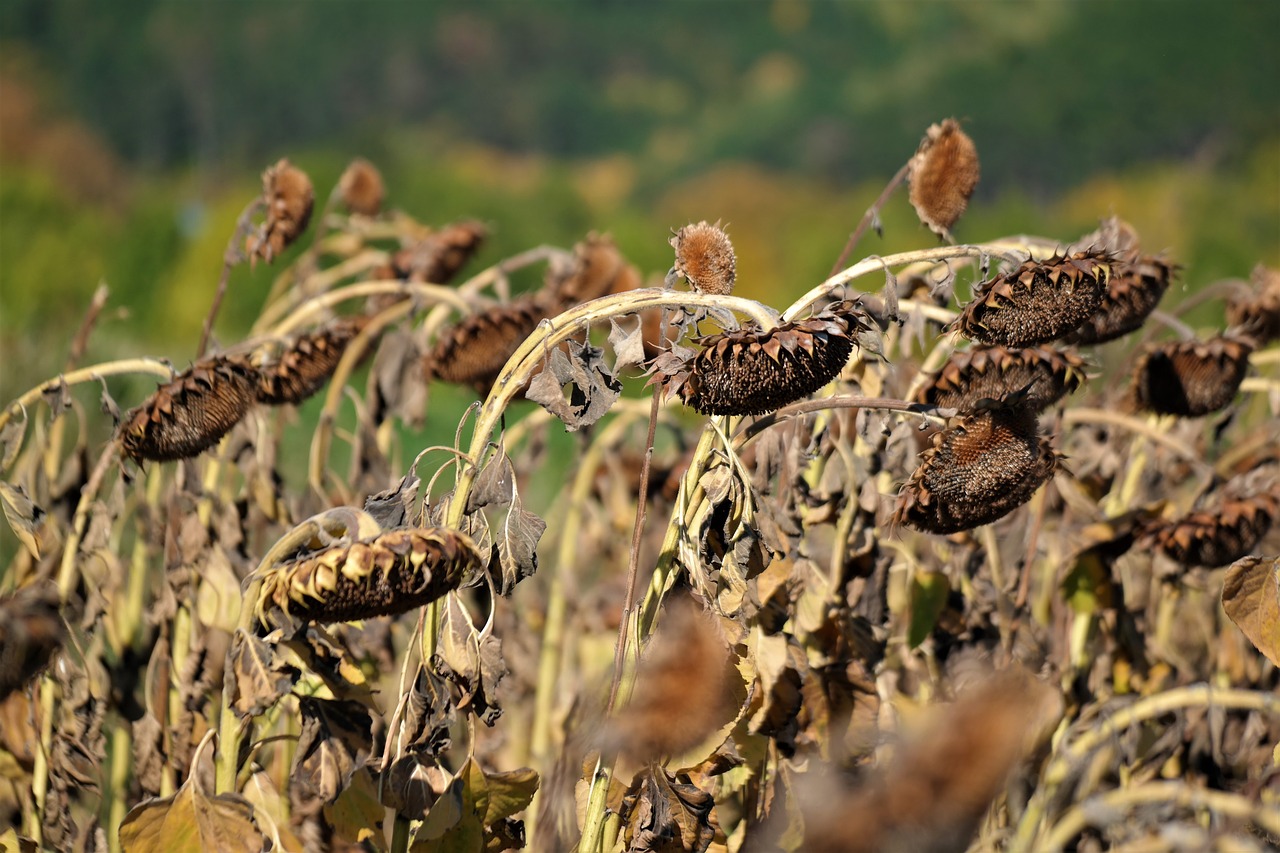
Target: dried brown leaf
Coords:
[[1251, 597], [334, 743], [261, 676], [191, 822]]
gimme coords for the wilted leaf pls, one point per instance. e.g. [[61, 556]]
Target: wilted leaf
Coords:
[[11, 842], [517, 540], [218, 596], [272, 811], [357, 815], [667, 813], [390, 509], [507, 793], [593, 386], [334, 743], [494, 485], [11, 439], [23, 516], [484, 803], [1251, 597], [260, 676], [929, 591], [191, 822], [471, 662], [428, 714], [628, 347], [31, 632]]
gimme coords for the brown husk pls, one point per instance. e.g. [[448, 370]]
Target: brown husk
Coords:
[[943, 175], [1191, 378], [305, 367], [191, 413], [705, 256], [361, 188], [289, 197], [1038, 302], [995, 372]]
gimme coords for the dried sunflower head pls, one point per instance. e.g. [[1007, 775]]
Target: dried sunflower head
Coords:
[[1135, 288], [390, 573], [597, 269], [191, 413], [996, 372], [750, 372], [1221, 535], [943, 174], [1191, 378], [306, 365], [474, 351], [1255, 311], [704, 255], [1038, 302], [439, 256], [361, 188], [982, 467], [287, 192]]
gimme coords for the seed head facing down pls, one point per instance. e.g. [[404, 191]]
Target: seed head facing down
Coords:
[[996, 372], [361, 188], [474, 351], [704, 255], [1038, 302], [1191, 378], [306, 365], [750, 372], [190, 414], [289, 197], [439, 256], [1255, 311], [1136, 285], [981, 468], [1219, 536], [943, 174], [596, 269]]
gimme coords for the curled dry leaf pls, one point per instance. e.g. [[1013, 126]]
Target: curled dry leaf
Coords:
[[334, 743], [704, 256], [943, 175], [475, 350], [1038, 302], [1046, 374], [1251, 597], [361, 188], [663, 812], [29, 522], [31, 632], [941, 781], [289, 197], [260, 675], [1191, 378], [390, 573], [189, 415], [593, 388], [981, 468], [751, 372], [306, 364]]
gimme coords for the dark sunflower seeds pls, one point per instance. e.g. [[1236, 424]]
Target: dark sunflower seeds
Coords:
[[305, 367], [979, 469], [749, 372], [1218, 537], [1046, 374], [1135, 288], [474, 351], [1038, 302], [391, 573], [190, 414], [1191, 378]]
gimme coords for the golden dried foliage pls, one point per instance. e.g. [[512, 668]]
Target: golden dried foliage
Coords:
[[1190, 378], [943, 175], [1038, 302], [996, 372], [390, 573], [750, 372], [361, 188], [981, 468], [704, 255], [190, 414], [306, 365]]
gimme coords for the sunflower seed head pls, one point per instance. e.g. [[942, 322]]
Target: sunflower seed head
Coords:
[[1219, 536], [1255, 311], [750, 372], [1136, 285], [387, 574], [943, 174], [995, 372], [438, 257], [704, 255], [597, 269], [191, 413], [361, 188], [982, 467], [306, 365], [289, 197], [1191, 378], [474, 351], [1038, 302]]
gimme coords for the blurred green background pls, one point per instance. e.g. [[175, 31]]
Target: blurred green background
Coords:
[[133, 132]]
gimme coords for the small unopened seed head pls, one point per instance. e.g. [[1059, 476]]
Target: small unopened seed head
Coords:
[[705, 257], [289, 197], [943, 175], [361, 188]]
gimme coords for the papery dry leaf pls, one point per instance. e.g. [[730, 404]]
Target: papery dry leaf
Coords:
[[1191, 378], [981, 468], [704, 255], [289, 197], [943, 175], [593, 387], [31, 633], [305, 366], [1251, 597], [261, 675], [996, 372], [361, 188], [664, 814], [470, 661], [751, 372], [390, 573], [190, 414], [335, 741], [27, 520], [191, 822], [1037, 302]]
